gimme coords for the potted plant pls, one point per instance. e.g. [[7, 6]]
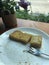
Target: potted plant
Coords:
[[8, 13], [1, 6]]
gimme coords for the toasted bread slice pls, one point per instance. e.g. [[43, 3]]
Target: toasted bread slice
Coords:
[[20, 36], [36, 41]]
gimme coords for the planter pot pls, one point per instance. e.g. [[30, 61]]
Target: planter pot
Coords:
[[2, 26], [9, 20]]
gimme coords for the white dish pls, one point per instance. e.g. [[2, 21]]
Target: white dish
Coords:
[[11, 52]]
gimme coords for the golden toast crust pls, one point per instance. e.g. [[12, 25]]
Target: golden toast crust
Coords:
[[20, 36]]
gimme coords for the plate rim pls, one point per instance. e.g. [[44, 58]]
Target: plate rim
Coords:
[[25, 27]]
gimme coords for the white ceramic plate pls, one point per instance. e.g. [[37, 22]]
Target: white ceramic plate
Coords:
[[11, 52]]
